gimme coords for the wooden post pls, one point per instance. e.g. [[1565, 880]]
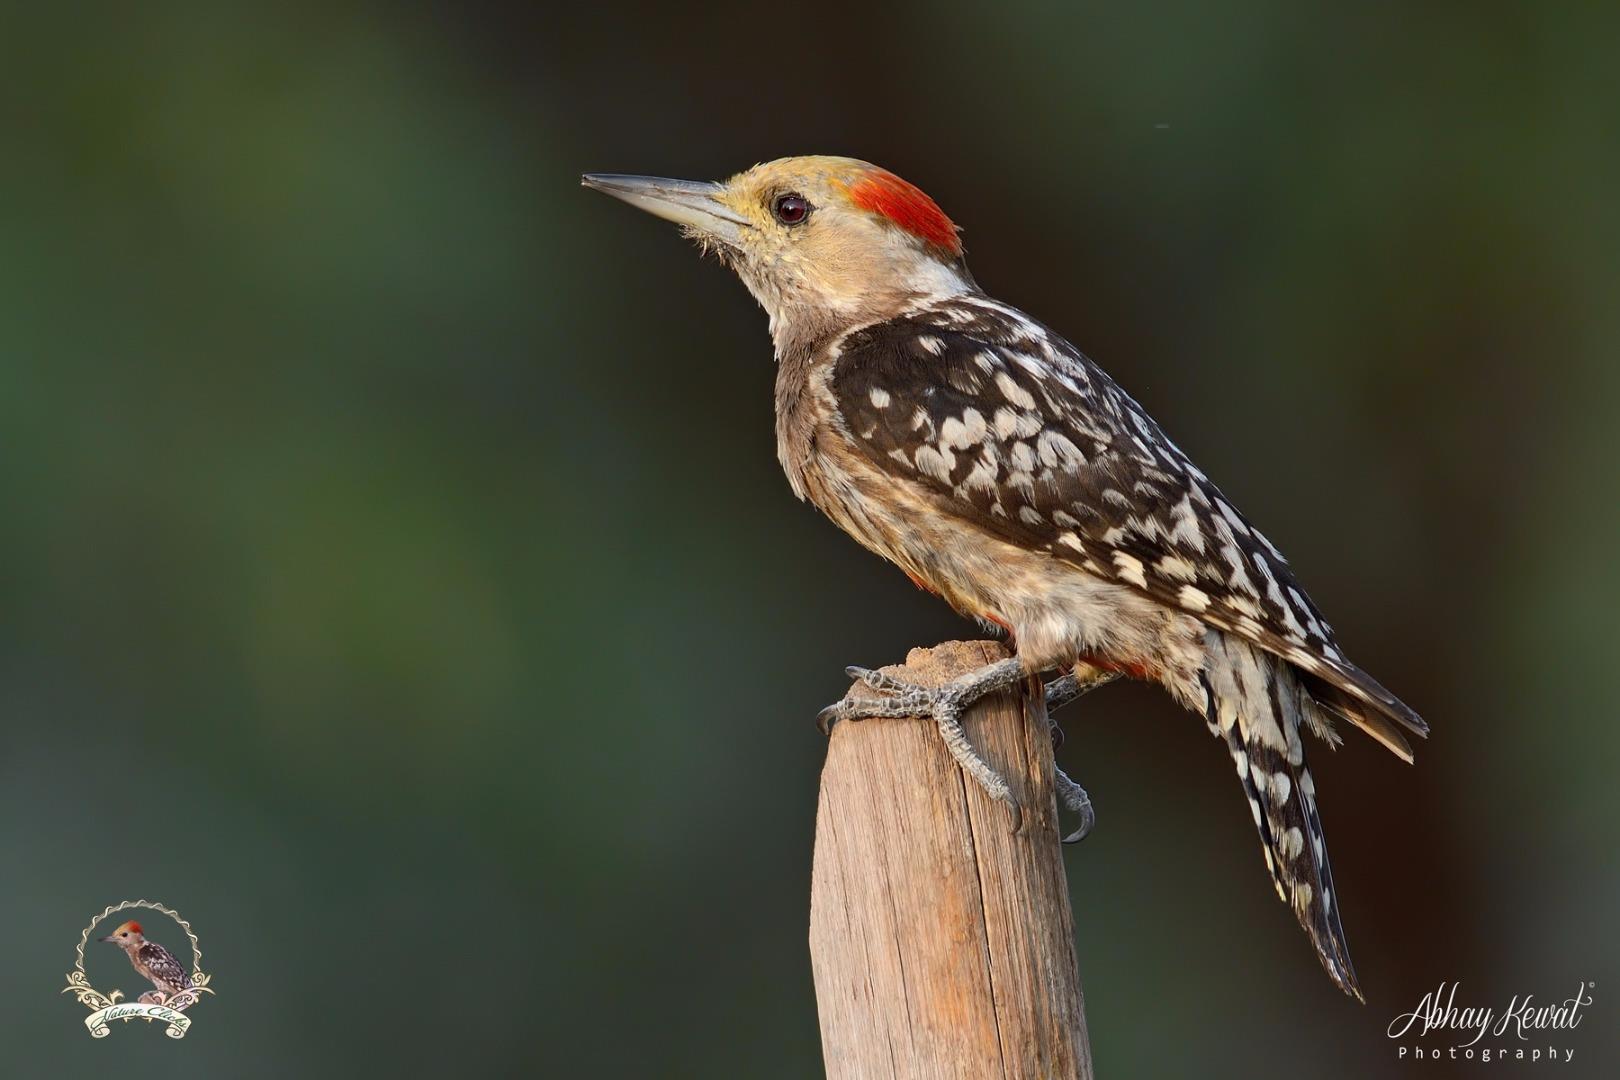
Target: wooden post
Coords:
[[942, 940]]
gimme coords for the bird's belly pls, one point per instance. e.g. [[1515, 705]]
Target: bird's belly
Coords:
[[1056, 612]]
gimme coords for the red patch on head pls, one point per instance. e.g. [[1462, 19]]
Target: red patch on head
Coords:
[[881, 192], [132, 927]]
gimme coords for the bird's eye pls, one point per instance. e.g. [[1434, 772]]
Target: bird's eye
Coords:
[[790, 209]]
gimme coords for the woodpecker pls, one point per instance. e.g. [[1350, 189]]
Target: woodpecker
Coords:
[[1003, 470], [151, 961]]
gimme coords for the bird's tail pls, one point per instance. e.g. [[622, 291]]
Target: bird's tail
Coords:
[[1257, 703]]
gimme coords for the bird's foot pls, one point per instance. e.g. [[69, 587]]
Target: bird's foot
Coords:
[[1060, 692], [153, 997], [943, 704]]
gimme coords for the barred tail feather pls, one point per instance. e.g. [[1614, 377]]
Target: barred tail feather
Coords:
[[1255, 701]]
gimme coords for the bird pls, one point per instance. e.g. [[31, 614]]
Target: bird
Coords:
[[151, 961], [1003, 470]]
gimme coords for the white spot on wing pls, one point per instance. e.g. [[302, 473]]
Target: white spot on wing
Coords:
[[936, 463], [1177, 569], [960, 434], [983, 476], [1184, 525], [1013, 392], [1058, 452], [1130, 569], [1243, 606], [1232, 517]]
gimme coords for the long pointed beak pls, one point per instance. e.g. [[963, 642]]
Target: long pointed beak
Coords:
[[694, 204]]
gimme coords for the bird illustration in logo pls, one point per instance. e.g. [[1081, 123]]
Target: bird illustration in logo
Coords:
[[151, 961]]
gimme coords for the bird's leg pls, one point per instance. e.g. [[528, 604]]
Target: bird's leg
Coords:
[[1081, 680], [1077, 683], [943, 704]]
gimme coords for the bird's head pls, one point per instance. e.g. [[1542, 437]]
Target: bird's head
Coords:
[[127, 935], [820, 241]]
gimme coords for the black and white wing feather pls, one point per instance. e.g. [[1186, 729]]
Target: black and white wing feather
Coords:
[[1018, 432]]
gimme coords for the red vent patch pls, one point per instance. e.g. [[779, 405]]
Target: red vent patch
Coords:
[[882, 192]]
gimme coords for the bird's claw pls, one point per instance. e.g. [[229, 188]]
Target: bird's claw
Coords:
[[878, 681], [1074, 798], [826, 718], [1082, 679], [943, 704]]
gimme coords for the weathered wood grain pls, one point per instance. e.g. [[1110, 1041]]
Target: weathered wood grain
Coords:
[[942, 940]]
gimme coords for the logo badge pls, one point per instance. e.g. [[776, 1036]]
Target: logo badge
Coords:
[[172, 987]]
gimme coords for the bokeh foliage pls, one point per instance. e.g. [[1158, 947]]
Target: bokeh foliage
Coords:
[[399, 582]]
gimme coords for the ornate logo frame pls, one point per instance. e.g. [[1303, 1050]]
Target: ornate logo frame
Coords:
[[107, 1007]]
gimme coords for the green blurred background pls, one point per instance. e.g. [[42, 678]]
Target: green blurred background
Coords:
[[399, 581]]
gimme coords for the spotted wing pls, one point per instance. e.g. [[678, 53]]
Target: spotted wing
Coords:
[[163, 966], [1018, 432]]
